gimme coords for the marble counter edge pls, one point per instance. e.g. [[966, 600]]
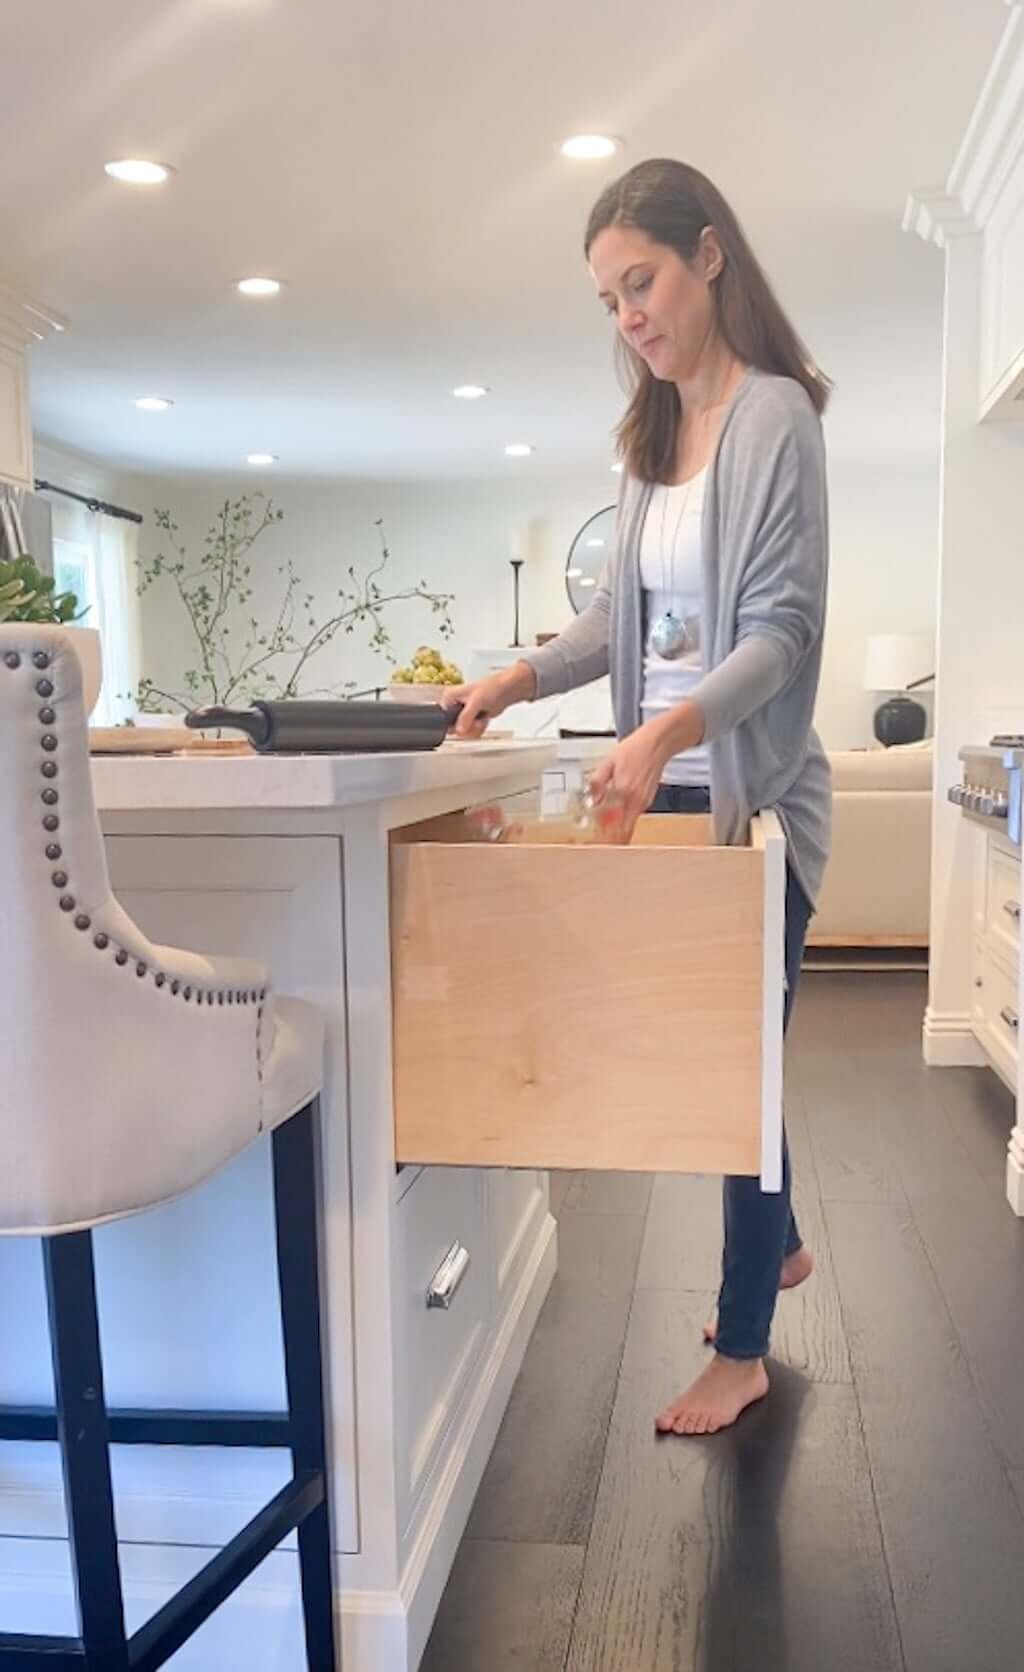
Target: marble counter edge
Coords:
[[129, 784]]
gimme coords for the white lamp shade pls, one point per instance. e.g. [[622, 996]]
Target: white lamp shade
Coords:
[[895, 660]]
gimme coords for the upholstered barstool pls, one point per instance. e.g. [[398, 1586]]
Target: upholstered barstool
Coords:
[[131, 1072]]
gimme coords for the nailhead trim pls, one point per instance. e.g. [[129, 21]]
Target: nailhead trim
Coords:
[[83, 922]]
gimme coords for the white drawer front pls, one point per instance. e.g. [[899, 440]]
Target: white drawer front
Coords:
[[436, 1346], [1003, 901], [1001, 1013]]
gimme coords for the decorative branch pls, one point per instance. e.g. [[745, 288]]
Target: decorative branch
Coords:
[[271, 661]]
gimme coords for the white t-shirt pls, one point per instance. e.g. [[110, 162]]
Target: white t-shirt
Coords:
[[670, 575]]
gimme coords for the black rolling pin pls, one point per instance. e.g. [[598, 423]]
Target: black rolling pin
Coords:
[[332, 728]]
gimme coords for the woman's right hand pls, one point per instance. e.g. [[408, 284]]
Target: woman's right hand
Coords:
[[484, 699]]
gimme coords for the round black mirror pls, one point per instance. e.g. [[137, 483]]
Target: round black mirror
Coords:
[[588, 555]]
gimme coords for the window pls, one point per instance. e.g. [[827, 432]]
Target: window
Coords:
[[73, 571]]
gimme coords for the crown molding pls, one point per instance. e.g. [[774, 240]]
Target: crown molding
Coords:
[[994, 139], [989, 151], [937, 216], [25, 322]]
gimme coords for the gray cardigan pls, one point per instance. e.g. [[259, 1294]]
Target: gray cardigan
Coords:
[[765, 562]]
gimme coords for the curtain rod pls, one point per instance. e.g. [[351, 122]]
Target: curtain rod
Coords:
[[89, 503]]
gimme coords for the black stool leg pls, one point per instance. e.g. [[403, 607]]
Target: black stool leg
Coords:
[[297, 1205], [85, 1450]]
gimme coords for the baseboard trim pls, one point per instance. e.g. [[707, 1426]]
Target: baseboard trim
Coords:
[[949, 1041]]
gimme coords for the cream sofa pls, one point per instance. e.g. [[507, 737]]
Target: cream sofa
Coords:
[[876, 889]]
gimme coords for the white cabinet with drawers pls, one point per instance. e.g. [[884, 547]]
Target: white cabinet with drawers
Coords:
[[434, 1274], [997, 979]]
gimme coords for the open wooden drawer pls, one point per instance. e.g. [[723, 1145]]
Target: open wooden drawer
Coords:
[[585, 1006]]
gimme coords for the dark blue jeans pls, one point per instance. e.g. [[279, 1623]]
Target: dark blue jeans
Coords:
[[760, 1230]]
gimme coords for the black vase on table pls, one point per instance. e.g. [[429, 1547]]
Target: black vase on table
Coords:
[[900, 720]]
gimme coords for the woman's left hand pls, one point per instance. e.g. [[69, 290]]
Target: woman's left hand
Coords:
[[632, 772]]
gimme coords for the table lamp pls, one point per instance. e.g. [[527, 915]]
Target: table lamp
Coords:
[[898, 663]]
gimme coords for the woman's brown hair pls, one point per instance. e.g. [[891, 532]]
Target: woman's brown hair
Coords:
[[672, 203]]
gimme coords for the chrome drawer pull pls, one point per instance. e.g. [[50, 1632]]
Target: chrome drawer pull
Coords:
[[448, 1276], [1012, 909], [1010, 1017]]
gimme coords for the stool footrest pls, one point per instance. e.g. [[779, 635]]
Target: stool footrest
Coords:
[[22, 1654], [163, 1635], [256, 1429]]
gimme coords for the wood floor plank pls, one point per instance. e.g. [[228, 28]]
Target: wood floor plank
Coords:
[[682, 1246], [558, 1185], [807, 1331], [541, 1479], [755, 1551], [954, 1536], [608, 1192], [506, 1608], [600, 1251]]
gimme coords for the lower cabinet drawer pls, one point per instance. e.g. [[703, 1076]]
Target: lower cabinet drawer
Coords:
[[1003, 900], [436, 1345], [589, 1006], [1000, 1007]]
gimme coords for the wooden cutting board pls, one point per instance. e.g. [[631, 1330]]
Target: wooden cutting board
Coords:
[[161, 740]]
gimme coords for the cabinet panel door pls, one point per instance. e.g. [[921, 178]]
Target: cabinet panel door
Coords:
[[190, 1299]]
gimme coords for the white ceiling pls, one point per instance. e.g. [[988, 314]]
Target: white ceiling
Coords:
[[398, 166]]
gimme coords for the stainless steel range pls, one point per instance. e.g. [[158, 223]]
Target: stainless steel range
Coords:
[[990, 791]]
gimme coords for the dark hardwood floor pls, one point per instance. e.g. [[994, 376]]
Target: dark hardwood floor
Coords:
[[869, 1515]]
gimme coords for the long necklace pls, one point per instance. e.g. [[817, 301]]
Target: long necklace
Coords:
[[671, 637]]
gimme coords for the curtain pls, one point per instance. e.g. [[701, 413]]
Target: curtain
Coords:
[[108, 546]]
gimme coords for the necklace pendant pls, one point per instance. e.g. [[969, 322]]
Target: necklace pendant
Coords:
[[669, 637]]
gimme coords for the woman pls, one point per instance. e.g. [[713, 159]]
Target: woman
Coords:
[[709, 620]]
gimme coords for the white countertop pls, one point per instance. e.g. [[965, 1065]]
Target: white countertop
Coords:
[[133, 783]]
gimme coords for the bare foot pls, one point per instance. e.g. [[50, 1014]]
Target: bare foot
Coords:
[[795, 1269], [716, 1398]]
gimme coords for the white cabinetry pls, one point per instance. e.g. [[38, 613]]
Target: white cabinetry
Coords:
[[21, 325]]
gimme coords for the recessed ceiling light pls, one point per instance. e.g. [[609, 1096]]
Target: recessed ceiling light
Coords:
[[617, 468], [470, 391], [153, 403], [573, 574], [588, 580], [589, 147], [595, 542], [518, 449], [134, 171], [259, 287], [261, 458]]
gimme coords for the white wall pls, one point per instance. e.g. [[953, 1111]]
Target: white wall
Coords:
[[459, 539]]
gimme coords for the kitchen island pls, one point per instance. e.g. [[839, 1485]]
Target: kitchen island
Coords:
[[434, 1276]]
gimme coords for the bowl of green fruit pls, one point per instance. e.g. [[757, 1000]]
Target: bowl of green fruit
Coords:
[[425, 677]]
